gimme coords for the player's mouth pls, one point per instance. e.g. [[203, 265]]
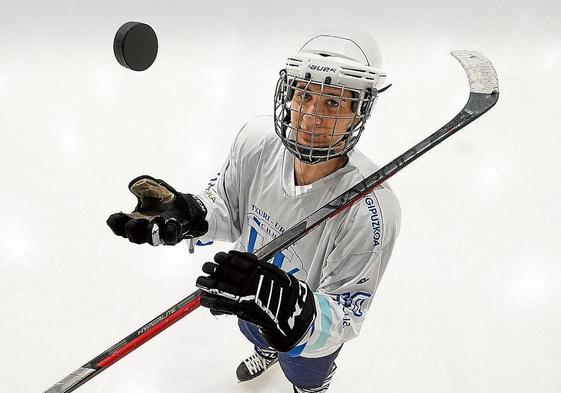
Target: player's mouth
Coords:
[[319, 138], [317, 142]]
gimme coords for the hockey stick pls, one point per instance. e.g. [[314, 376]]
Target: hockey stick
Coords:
[[484, 93]]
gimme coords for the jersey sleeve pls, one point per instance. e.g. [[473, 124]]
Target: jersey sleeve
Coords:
[[226, 194], [221, 198], [352, 273]]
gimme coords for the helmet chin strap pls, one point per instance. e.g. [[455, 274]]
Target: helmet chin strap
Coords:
[[305, 154]]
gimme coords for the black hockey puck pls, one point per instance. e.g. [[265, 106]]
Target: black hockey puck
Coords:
[[135, 46]]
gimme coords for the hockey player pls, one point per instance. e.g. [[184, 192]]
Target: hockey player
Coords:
[[300, 307]]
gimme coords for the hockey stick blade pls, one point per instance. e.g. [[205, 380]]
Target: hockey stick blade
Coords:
[[483, 82], [484, 93]]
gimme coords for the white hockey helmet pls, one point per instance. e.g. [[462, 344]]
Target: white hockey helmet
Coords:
[[347, 62]]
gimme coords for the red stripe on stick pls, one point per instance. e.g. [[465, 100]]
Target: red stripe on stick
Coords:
[[150, 333]]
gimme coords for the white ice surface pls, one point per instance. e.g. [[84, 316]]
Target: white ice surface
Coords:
[[471, 299]]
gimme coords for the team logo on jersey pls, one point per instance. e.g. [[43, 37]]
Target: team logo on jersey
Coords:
[[263, 227], [353, 302]]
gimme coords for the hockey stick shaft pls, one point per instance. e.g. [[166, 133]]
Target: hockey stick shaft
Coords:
[[483, 96], [127, 345]]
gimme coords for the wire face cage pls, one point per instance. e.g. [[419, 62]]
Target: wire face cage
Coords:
[[319, 121]]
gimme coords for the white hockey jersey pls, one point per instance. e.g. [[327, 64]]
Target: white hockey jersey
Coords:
[[254, 199]]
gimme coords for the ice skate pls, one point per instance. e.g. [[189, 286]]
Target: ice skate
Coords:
[[256, 364]]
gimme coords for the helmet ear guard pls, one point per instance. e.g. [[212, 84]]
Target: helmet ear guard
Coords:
[[369, 94], [291, 88]]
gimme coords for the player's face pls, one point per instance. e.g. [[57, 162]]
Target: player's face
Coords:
[[321, 117]]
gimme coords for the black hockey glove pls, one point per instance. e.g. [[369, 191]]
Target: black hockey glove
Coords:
[[162, 215], [260, 293]]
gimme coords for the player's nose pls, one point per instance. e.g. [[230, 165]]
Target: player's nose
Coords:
[[311, 114], [309, 119]]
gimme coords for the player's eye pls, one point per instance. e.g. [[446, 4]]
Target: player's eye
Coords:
[[303, 95], [333, 104]]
